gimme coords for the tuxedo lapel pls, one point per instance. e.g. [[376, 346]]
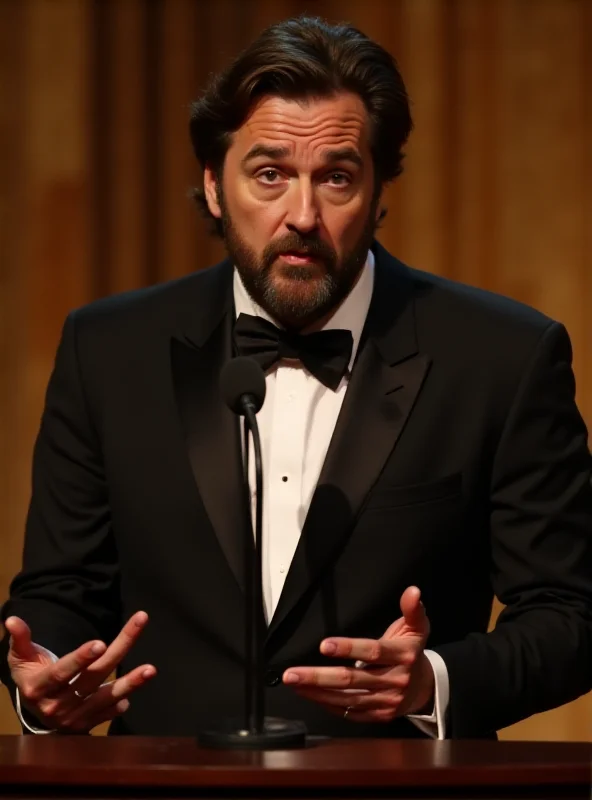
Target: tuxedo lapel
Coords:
[[386, 380], [211, 430]]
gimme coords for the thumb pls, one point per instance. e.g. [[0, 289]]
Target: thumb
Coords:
[[414, 612], [21, 647]]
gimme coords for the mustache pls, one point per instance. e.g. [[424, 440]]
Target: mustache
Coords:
[[314, 247]]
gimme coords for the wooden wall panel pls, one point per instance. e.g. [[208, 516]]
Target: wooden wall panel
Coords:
[[424, 26], [476, 155], [47, 230], [97, 165], [12, 58], [125, 127], [584, 367], [178, 170], [12, 236]]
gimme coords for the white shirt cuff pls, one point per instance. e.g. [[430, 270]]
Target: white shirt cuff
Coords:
[[434, 725], [19, 711]]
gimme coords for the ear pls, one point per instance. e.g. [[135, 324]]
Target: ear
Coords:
[[211, 193], [381, 213], [380, 210]]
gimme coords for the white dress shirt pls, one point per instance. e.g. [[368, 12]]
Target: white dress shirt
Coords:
[[296, 423]]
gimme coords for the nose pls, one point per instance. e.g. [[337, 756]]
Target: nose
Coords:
[[302, 213]]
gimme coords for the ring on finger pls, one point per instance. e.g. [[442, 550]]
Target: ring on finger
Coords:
[[347, 710], [80, 695]]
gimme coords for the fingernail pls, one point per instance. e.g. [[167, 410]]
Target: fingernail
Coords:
[[148, 673], [97, 649], [291, 677], [328, 648]]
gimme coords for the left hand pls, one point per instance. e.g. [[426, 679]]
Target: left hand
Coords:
[[397, 678]]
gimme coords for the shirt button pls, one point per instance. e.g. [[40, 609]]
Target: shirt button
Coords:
[[272, 677], [284, 478], [282, 570]]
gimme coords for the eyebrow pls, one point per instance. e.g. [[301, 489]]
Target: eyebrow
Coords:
[[259, 150], [331, 156], [345, 154]]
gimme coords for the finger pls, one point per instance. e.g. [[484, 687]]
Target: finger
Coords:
[[55, 678], [348, 678], [21, 646], [99, 671], [110, 694], [371, 651], [355, 701], [110, 713], [413, 611], [376, 715], [84, 725]]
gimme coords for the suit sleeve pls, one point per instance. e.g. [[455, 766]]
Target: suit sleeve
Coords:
[[540, 654], [67, 591]]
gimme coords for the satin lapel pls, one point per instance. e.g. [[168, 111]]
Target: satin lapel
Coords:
[[386, 380], [212, 432]]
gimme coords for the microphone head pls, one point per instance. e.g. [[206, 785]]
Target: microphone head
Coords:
[[242, 376]]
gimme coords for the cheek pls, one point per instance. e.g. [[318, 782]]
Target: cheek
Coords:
[[262, 225], [257, 218], [344, 229], [246, 224]]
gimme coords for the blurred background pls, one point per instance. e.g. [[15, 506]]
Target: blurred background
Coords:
[[96, 165]]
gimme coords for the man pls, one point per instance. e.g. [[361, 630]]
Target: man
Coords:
[[421, 443]]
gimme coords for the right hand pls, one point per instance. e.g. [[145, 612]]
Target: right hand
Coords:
[[49, 692]]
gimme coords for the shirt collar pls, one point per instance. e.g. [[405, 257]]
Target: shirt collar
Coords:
[[350, 316]]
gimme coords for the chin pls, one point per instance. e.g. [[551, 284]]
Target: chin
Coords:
[[298, 288], [289, 273], [297, 303]]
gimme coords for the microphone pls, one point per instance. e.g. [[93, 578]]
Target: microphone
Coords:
[[242, 382], [242, 385]]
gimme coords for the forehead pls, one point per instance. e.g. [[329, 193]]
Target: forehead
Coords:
[[306, 126]]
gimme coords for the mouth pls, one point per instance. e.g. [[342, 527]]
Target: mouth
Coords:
[[298, 257]]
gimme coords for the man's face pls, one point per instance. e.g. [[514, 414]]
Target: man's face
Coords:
[[298, 204]]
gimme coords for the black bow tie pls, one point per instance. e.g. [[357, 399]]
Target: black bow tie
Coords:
[[325, 354]]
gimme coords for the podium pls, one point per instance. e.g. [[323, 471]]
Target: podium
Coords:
[[143, 767]]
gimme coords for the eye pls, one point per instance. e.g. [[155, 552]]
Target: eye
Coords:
[[268, 176], [339, 179]]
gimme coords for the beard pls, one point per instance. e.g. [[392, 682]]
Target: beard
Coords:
[[297, 295]]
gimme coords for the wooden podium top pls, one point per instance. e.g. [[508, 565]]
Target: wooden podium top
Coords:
[[88, 766]]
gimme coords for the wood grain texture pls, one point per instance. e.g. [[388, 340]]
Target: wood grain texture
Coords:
[[421, 768], [96, 167]]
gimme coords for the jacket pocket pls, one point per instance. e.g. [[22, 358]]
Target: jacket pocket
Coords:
[[414, 494]]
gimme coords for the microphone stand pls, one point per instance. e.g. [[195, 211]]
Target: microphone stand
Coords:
[[258, 732], [255, 697]]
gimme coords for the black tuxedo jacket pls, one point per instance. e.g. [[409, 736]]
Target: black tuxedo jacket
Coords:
[[459, 463]]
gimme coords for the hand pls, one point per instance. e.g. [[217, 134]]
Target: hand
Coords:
[[396, 678], [70, 695]]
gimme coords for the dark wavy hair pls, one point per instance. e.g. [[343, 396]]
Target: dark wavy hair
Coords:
[[300, 58]]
